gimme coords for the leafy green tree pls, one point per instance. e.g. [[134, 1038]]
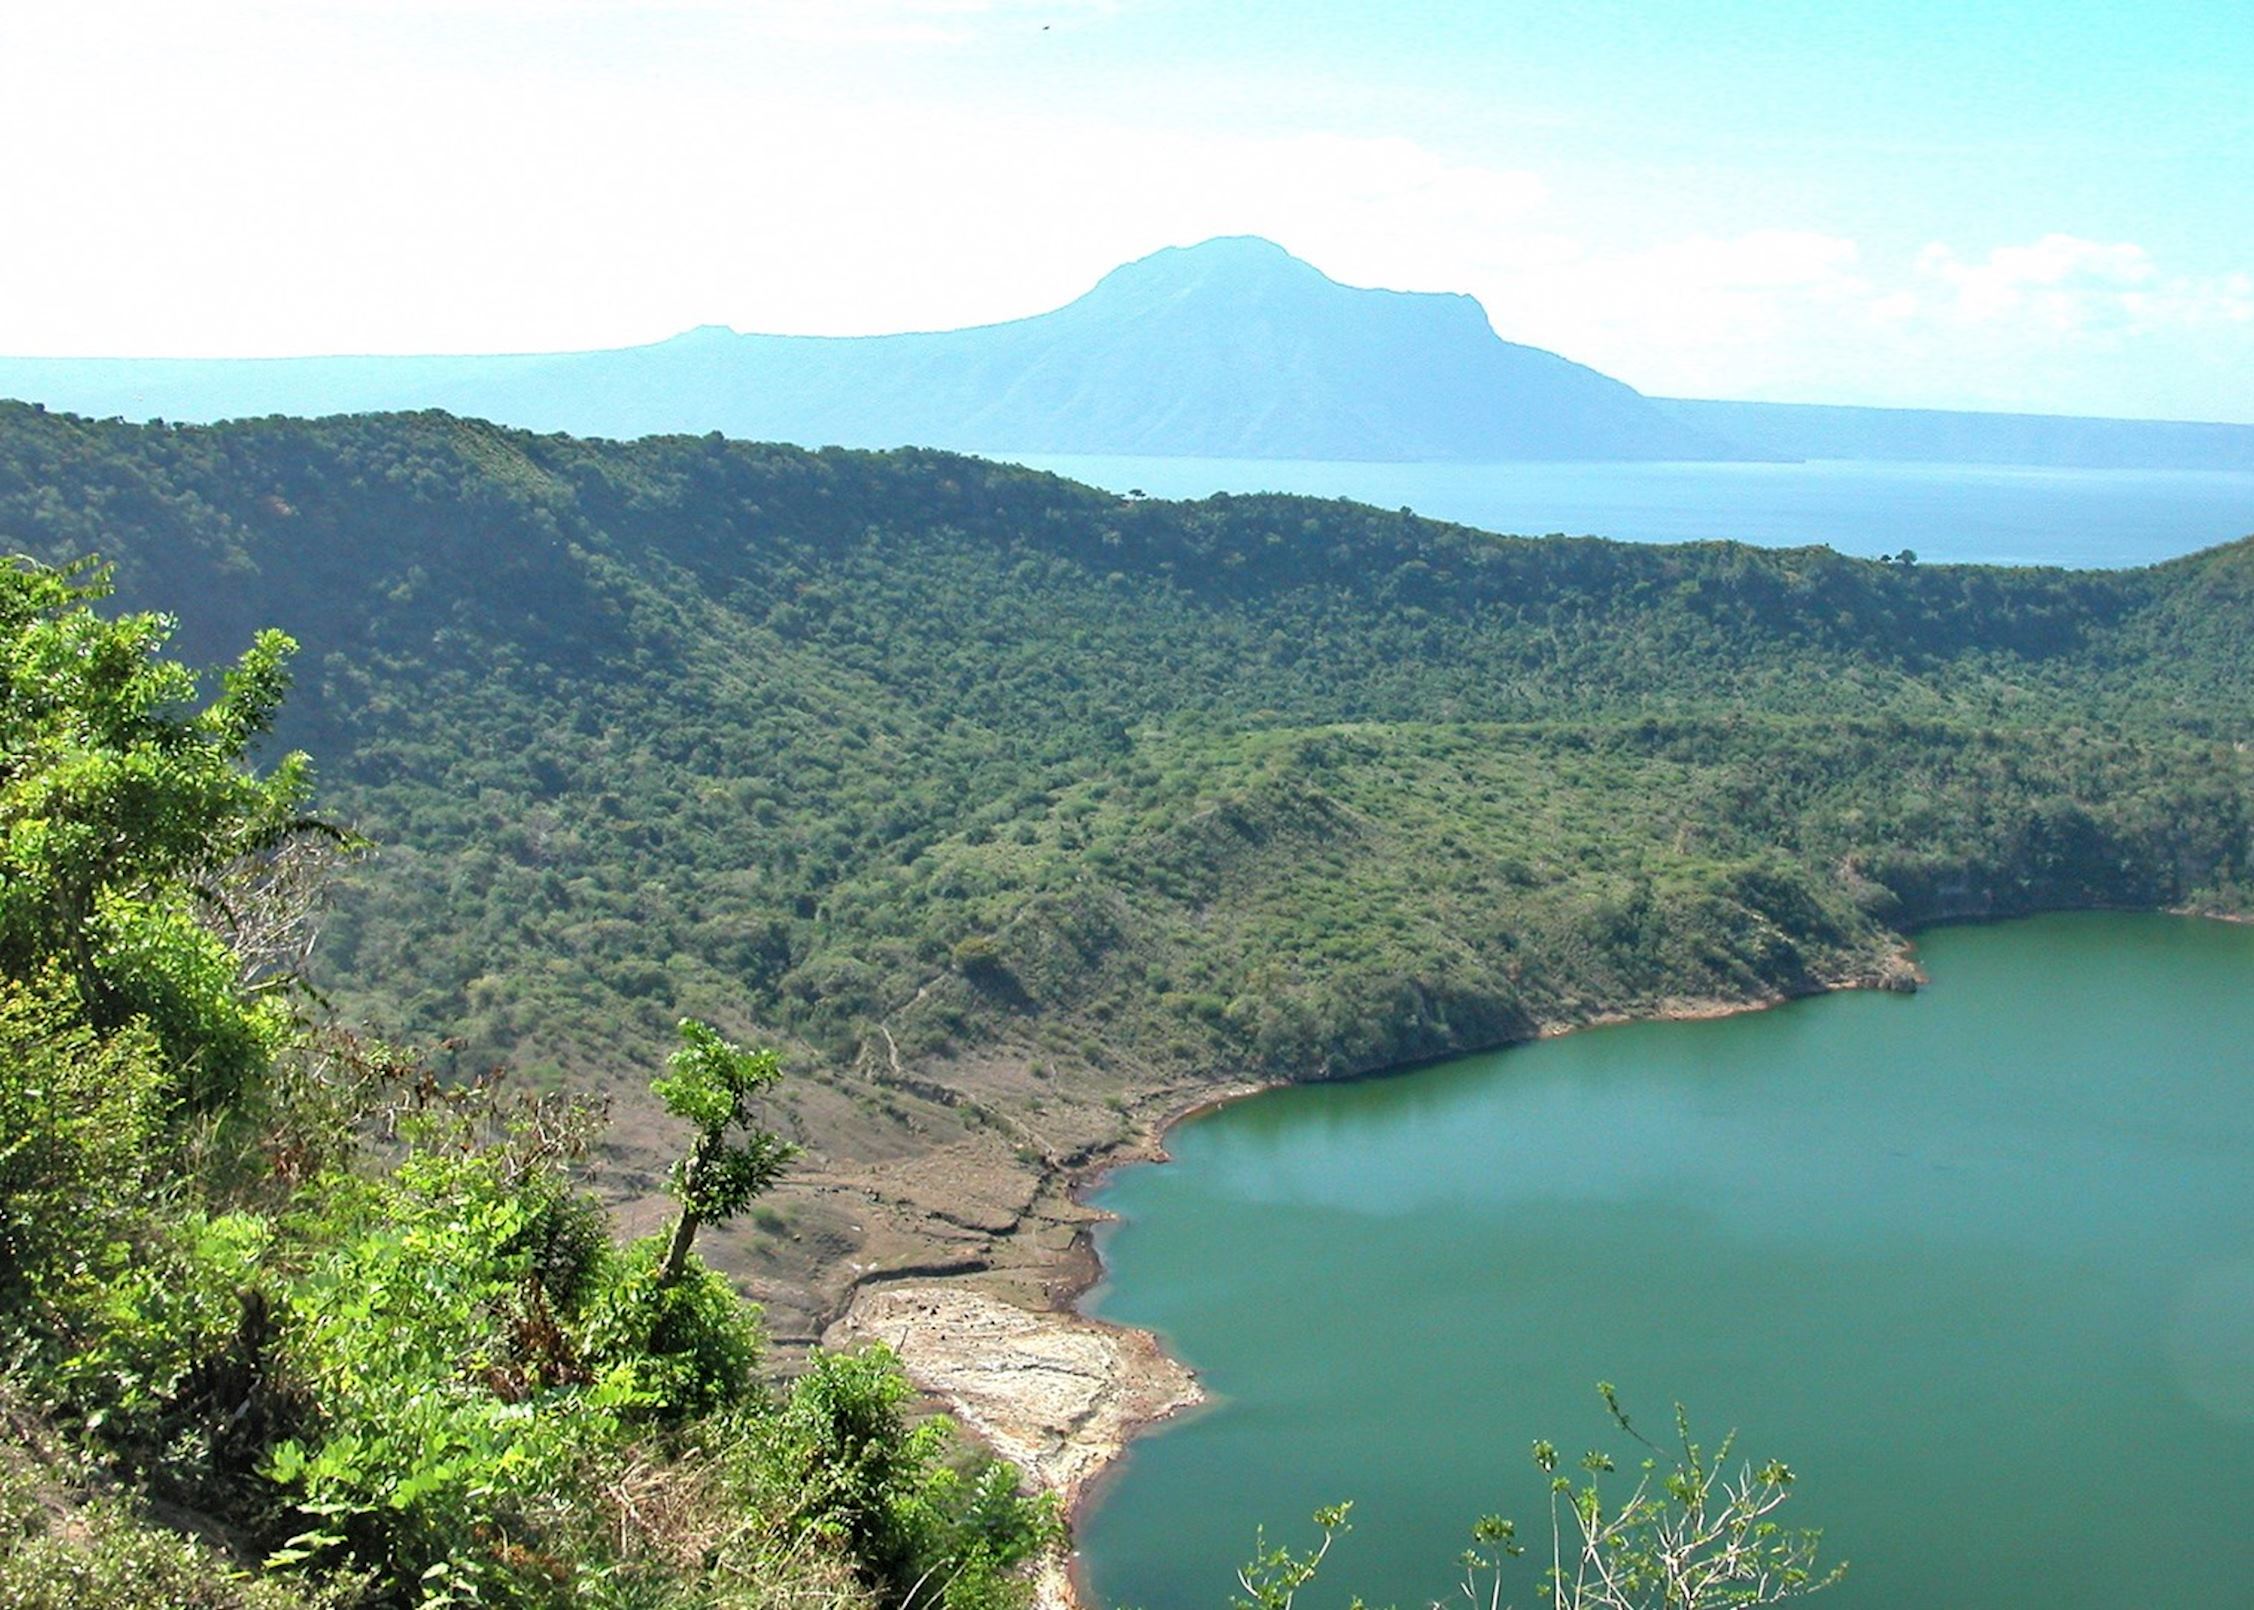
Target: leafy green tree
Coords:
[[124, 811], [712, 1082]]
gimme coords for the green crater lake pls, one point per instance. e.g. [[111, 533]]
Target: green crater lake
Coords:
[[1979, 1263]]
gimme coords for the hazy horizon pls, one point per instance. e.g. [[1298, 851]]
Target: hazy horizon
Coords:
[[2031, 209]]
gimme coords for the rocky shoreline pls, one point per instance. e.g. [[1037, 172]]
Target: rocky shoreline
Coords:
[[1057, 1394]]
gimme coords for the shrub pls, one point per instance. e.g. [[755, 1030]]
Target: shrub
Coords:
[[924, 1531], [78, 1111]]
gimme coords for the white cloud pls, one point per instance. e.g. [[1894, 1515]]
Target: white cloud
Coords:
[[2065, 284], [1670, 315], [2057, 324], [2059, 279], [1761, 260], [348, 200]]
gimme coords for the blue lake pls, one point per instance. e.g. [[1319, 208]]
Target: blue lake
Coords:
[[1972, 513], [1978, 1262]]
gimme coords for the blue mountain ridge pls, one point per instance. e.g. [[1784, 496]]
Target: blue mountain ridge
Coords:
[[1232, 348]]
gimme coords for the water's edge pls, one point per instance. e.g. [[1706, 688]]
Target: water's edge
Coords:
[[1075, 1455], [1078, 1453]]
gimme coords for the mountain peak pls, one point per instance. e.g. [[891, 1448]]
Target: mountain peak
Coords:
[[704, 335], [1232, 265], [1225, 254], [1237, 275]]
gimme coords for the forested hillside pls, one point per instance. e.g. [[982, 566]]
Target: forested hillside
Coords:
[[1013, 807]]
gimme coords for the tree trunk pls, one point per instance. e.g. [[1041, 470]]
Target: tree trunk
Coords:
[[677, 1255]]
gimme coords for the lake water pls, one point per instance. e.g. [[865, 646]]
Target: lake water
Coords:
[[1973, 513], [1979, 1263]]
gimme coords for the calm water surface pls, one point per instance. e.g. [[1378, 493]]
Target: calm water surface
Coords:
[[1972, 513], [1978, 1262]]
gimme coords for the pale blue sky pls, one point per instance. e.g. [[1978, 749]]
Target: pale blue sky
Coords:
[[1977, 205]]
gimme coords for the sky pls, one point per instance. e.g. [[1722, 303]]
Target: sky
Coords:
[[1971, 204]]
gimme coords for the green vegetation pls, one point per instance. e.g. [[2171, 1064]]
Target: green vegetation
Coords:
[[926, 769], [1690, 1534], [711, 1085], [994, 800], [287, 1320], [649, 728]]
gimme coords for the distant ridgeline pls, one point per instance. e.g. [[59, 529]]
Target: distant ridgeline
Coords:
[[1789, 431], [1016, 769], [1230, 349]]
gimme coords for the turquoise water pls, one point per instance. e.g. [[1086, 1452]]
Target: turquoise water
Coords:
[[1979, 1263], [1971, 513]]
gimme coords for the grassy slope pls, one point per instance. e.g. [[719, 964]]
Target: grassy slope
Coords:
[[1009, 802]]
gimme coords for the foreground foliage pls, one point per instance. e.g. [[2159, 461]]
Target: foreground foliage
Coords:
[[1692, 1533], [285, 1318]]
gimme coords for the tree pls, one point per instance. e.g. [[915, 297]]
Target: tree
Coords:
[[711, 1084], [125, 813], [77, 1112], [930, 1529]]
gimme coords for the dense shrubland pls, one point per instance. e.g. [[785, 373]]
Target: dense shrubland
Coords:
[[287, 1320], [819, 741]]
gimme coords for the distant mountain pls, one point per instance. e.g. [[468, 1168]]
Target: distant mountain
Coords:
[[1230, 349], [1934, 436]]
